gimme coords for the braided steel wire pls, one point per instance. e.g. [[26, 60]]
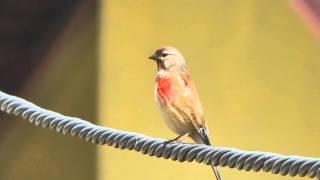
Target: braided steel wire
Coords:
[[218, 156]]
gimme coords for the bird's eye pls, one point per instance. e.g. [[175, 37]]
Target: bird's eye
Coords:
[[164, 55]]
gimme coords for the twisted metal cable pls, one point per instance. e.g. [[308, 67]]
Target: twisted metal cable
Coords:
[[218, 156]]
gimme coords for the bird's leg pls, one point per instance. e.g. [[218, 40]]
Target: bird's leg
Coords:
[[178, 139], [181, 138]]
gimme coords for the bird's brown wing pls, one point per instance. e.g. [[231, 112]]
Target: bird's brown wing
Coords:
[[188, 102]]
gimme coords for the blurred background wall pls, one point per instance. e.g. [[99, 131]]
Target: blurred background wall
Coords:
[[48, 55], [256, 66]]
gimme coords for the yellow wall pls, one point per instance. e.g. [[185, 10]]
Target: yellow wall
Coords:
[[255, 65]]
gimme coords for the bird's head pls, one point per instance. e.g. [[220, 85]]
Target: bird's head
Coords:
[[168, 58]]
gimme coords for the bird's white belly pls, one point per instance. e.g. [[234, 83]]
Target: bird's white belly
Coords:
[[175, 121]]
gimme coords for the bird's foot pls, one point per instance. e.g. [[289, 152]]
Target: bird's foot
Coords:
[[178, 139]]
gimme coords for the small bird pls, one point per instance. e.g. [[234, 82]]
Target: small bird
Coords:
[[177, 99]]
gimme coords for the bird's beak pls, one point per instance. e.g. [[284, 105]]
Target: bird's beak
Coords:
[[153, 57]]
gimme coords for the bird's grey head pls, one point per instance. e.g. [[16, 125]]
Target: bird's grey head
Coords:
[[168, 58]]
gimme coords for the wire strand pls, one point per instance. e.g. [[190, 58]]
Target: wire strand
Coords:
[[218, 156]]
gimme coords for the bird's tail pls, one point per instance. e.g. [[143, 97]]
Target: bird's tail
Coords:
[[214, 168], [216, 172], [206, 141]]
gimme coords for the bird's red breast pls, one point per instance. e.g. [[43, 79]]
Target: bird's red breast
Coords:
[[164, 89]]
